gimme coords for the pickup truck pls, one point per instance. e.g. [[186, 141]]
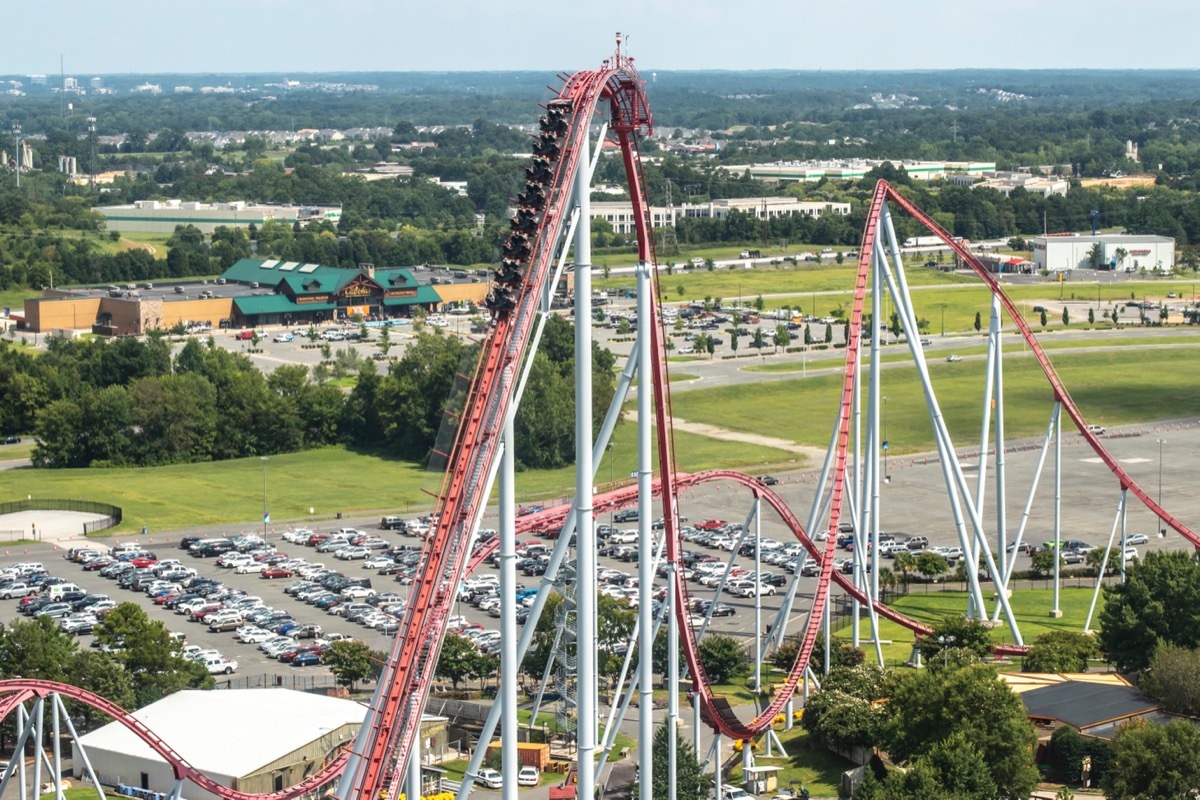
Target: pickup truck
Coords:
[[244, 335]]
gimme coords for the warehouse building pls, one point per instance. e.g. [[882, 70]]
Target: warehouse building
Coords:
[[619, 213], [255, 292], [161, 216], [251, 740], [1119, 252]]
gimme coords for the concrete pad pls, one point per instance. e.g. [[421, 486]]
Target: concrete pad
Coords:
[[48, 526]]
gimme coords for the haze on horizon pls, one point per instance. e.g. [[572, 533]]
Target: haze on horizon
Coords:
[[299, 36]]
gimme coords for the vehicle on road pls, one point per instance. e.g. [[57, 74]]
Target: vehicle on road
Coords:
[[1137, 538], [284, 337], [529, 776], [1095, 430], [244, 335], [953, 357], [768, 480]]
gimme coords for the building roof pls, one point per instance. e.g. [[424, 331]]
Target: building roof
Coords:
[[276, 304], [1083, 704], [1105, 238], [228, 732]]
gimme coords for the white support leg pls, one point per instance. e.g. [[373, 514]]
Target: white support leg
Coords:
[[585, 531], [56, 747], [1001, 474], [672, 682], [39, 750], [508, 616], [413, 791], [858, 509], [1057, 610], [1087, 625], [758, 635], [1124, 528], [645, 536], [77, 749]]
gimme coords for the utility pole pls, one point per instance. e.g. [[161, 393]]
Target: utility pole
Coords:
[[91, 123]]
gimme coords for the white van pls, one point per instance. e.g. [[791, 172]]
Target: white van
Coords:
[[59, 589]]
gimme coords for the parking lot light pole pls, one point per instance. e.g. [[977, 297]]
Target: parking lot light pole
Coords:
[[266, 516], [945, 642]]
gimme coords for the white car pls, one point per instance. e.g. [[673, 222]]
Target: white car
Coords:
[[252, 567], [1137, 538], [252, 635], [378, 562], [953, 357], [357, 592], [491, 778], [529, 776], [284, 337]]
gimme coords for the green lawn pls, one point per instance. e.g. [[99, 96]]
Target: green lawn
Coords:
[[328, 480], [1109, 388], [1031, 607]]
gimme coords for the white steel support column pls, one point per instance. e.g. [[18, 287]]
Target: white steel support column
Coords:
[[672, 683], [38, 752], [1087, 625], [758, 634], [77, 750], [1001, 487], [874, 438], [646, 559], [857, 509], [1124, 528], [1057, 610], [585, 530], [696, 721], [413, 789], [508, 616], [57, 747]]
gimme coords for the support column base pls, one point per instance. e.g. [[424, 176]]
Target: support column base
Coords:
[[1056, 613]]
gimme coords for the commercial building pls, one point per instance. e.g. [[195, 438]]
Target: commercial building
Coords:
[[256, 292], [619, 213], [857, 168], [1127, 252], [251, 740], [161, 216]]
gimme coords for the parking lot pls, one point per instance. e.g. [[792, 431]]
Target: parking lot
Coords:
[[914, 502]]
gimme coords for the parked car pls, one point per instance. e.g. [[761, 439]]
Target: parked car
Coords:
[[529, 776], [1137, 538], [284, 337], [490, 778], [953, 357], [216, 665], [244, 335]]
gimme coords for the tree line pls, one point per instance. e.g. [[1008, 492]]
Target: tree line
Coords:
[[96, 403]]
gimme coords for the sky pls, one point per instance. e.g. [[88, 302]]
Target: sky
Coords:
[[297, 36]]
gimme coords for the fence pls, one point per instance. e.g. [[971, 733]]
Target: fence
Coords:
[[297, 681], [112, 514]]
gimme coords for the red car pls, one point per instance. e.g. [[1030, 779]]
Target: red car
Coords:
[[144, 561], [245, 335], [710, 524], [277, 572]]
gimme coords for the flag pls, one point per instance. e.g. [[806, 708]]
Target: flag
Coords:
[[266, 517]]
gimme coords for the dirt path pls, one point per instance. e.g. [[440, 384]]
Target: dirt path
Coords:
[[713, 432]]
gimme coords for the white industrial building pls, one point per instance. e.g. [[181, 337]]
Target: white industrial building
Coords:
[[619, 213], [1120, 252], [161, 216]]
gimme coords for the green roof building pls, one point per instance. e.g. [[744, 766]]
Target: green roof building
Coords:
[[291, 292]]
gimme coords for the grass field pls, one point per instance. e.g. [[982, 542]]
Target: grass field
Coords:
[[1031, 608], [328, 480], [815, 768], [1109, 387]]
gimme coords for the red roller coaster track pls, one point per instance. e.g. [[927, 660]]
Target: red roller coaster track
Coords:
[[392, 723]]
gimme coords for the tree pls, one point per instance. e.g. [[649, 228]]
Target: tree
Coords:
[[967, 634], [1151, 761], [1109, 557], [1091, 316], [1060, 651], [36, 648], [385, 340], [782, 337], [1096, 255], [1066, 316], [1042, 561], [350, 661], [1043, 318], [828, 334], [931, 565], [929, 707], [733, 339], [722, 657], [904, 561], [454, 662], [1159, 602], [312, 334], [100, 673], [759, 339], [689, 780], [978, 322], [149, 654], [1173, 678]]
